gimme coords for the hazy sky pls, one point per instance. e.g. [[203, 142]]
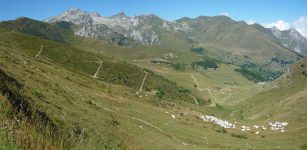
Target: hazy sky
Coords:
[[281, 13]]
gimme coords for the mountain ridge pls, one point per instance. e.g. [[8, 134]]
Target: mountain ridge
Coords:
[[146, 28]]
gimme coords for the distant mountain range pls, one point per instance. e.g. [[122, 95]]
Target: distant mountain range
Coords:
[[151, 29], [266, 53]]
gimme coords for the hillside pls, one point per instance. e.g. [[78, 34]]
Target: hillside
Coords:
[[286, 97], [284, 100], [72, 95], [288, 38], [223, 39]]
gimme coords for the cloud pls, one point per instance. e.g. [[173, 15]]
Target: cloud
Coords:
[[225, 14], [279, 24], [301, 25], [250, 22]]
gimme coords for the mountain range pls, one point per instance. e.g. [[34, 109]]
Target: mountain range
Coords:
[[150, 29], [80, 80], [253, 47]]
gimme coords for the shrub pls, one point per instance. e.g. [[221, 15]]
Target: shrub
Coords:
[[198, 50], [304, 147], [178, 66], [160, 94], [184, 90], [205, 64], [147, 89]]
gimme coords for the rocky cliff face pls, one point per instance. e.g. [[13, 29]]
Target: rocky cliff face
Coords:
[[291, 39], [144, 28]]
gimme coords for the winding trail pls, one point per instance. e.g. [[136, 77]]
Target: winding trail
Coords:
[[197, 84], [39, 52], [142, 121], [200, 89], [145, 76], [98, 69], [209, 91], [193, 98]]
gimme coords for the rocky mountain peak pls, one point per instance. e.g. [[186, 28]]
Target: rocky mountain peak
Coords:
[[141, 28], [291, 39], [120, 15], [95, 14], [73, 11]]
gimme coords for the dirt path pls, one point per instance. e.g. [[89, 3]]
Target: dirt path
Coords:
[[145, 76], [200, 89], [227, 97], [39, 52], [209, 91], [142, 121], [197, 84], [98, 69], [193, 98]]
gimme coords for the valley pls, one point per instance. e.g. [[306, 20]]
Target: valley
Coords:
[[195, 83]]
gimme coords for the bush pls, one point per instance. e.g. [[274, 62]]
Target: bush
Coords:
[[304, 147], [160, 94], [205, 64], [198, 50], [281, 62], [184, 90], [147, 89], [178, 66]]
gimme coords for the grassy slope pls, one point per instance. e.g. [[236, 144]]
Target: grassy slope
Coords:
[[222, 35], [105, 115], [226, 86], [77, 103], [285, 100]]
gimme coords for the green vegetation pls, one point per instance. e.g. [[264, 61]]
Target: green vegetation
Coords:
[[160, 94], [184, 90], [178, 66], [53, 102], [198, 50], [281, 62], [257, 73], [304, 147], [205, 64], [36, 28], [250, 75], [175, 66]]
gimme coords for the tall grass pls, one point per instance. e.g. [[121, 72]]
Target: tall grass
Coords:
[[22, 132], [23, 124]]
